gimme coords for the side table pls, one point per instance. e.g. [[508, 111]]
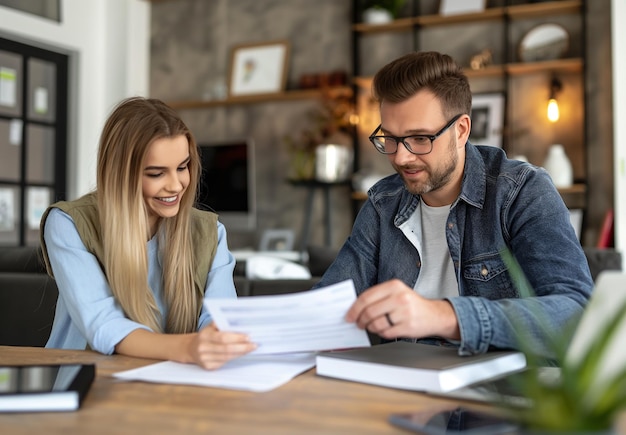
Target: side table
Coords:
[[313, 186]]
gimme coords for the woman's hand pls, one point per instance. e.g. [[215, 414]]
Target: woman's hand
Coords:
[[211, 348]]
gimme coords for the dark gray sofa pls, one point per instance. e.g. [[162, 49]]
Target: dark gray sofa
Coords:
[[28, 295]]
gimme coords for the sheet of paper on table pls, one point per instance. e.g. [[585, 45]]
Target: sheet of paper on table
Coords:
[[288, 329], [250, 373]]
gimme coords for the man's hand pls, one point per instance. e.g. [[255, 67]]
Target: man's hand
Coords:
[[392, 309]]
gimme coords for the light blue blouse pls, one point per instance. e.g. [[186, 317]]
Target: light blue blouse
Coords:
[[87, 312]]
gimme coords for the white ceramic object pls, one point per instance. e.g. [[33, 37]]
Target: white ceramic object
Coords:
[[559, 166], [377, 16], [333, 163]]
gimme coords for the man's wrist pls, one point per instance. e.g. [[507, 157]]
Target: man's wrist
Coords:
[[449, 321]]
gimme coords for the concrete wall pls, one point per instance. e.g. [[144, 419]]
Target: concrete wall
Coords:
[[190, 49]]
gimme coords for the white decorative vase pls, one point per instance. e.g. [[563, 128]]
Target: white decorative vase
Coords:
[[333, 163], [558, 166], [377, 16]]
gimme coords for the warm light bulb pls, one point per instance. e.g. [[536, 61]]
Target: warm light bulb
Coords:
[[553, 110]]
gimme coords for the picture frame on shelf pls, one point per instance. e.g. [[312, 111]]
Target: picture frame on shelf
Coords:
[[259, 68], [277, 240], [487, 119], [456, 7]]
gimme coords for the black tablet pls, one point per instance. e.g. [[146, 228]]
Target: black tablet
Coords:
[[37, 388]]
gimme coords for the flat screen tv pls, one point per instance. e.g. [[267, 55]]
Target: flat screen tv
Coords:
[[227, 185]]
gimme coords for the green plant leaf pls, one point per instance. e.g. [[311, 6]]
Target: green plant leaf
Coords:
[[526, 291], [588, 367], [569, 405]]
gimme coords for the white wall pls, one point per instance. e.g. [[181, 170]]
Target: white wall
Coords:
[[618, 15], [108, 45]]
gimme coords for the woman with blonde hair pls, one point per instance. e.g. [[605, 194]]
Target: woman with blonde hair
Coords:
[[134, 261]]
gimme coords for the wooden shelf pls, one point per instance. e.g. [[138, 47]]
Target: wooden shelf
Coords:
[[299, 94], [516, 12], [489, 71], [573, 189], [438, 20], [562, 65], [399, 25], [359, 196], [532, 10], [573, 65]]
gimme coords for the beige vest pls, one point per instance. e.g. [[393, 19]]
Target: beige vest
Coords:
[[84, 212]]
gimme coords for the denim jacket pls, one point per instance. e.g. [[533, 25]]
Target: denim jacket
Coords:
[[503, 203]]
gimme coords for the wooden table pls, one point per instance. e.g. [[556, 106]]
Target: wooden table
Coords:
[[308, 404]]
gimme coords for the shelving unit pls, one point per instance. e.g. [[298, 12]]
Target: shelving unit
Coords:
[[506, 67], [514, 12]]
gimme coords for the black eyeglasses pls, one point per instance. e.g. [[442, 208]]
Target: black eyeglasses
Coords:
[[415, 144]]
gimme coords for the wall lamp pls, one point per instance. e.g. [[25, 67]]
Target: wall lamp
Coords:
[[553, 105]]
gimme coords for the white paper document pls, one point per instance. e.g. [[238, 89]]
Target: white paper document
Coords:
[[251, 373], [298, 322]]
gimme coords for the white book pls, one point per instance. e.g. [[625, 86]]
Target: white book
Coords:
[[417, 367]]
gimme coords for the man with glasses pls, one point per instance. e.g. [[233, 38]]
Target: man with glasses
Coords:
[[425, 249]]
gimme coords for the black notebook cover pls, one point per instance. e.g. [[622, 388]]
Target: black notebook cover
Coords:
[[38, 388]]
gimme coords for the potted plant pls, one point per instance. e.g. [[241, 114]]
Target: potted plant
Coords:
[[591, 388], [329, 124], [381, 11]]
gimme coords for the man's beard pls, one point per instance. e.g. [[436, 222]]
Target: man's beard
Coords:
[[435, 180]]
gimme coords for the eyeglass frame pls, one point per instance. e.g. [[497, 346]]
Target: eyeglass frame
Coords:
[[402, 139]]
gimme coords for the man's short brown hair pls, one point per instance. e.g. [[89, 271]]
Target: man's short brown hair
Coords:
[[404, 77]]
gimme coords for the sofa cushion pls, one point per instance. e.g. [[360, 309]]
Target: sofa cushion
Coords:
[[242, 285], [320, 258], [264, 287], [27, 305], [23, 259], [600, 259]]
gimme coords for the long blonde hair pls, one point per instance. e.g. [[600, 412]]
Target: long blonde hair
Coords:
[[132, 127]]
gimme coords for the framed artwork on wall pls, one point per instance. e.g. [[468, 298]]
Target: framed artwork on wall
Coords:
[[454, 7], [487, 119], [258, 68]]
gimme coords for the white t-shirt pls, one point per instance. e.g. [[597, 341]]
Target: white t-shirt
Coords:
[[426, 229]]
